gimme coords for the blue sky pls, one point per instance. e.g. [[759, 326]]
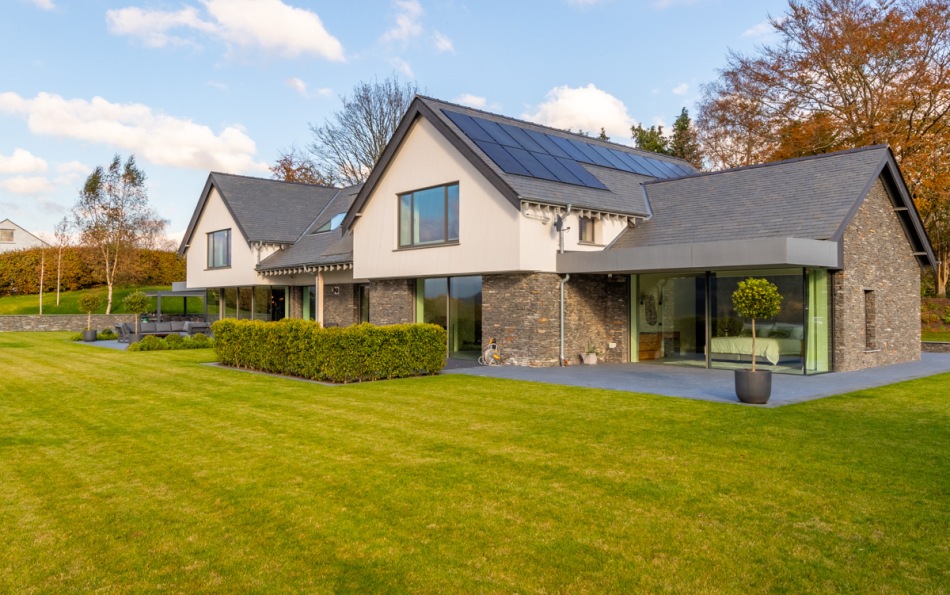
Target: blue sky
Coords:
[[191, 86]]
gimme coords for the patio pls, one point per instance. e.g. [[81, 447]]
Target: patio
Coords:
[[711, 384]]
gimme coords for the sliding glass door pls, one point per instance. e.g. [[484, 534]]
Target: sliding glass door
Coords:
[[455, 304]]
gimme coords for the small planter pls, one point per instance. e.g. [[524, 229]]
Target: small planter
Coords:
[[754, 387], [90, 335], [589, 359]]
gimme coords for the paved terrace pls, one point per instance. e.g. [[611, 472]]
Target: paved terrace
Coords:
[[713, 385]]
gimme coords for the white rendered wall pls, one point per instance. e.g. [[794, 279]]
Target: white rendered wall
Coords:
[[244, 258], [489, 225]]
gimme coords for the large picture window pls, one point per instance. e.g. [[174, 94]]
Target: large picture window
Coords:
[[219, 249], [429, 216]]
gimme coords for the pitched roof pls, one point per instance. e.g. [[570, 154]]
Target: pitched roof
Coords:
[[615, 186], [266, 211], [808, 198], [318, 248]]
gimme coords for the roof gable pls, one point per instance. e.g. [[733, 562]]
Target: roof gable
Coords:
[[580, 171], [264, 211]]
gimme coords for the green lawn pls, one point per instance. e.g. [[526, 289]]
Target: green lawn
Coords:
[[149, 471], [69, 302], [943, 336]]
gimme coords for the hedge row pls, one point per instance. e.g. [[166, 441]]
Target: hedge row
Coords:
[[353, 354], [80, 268]]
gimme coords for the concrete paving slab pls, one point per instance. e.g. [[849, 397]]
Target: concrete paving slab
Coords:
[[714, 385]]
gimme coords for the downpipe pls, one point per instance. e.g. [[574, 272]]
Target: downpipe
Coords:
[[564, 280]]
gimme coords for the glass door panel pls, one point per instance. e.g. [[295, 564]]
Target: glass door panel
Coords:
[[670, 318]]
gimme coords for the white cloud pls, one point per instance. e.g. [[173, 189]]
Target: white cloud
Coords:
[[217, 85], [680, 89], [324, 92], [71, 172], [584, 3], [408, 22], [403, 67], [268, 24], [44, 4], [470, 100], [443, 43], [134, 127], [152, 26], [28, 185], [763, 29], [669, 3], [584, 108], [21, 162], [297, 85]]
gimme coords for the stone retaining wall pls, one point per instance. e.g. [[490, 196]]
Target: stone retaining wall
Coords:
[[61, 322], [934, 347]]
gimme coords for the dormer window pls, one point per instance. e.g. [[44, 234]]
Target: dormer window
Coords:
[[332, 224], [429, 216]]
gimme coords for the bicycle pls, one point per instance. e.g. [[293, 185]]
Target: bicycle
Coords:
[[490, 356]]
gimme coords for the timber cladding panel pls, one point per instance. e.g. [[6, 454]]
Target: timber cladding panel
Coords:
[[877, 293]]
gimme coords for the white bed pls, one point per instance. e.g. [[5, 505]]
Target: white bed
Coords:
[[769, 348], [773, 341]]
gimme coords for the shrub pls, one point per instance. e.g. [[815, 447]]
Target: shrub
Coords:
[[149, 343], [946, 316], [106, 334], [76, 337], [352, 354]]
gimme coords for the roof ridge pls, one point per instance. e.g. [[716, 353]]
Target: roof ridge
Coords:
[[773, 163], [588, 139], [276, 181]]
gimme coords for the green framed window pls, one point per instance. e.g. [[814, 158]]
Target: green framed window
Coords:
[[429, 216]]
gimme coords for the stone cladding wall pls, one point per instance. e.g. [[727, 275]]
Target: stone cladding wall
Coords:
[[340, 305], [597, 313], [295, 300], [392, 301], [935, 347], [877, 258], [521, 311], [62, 322]]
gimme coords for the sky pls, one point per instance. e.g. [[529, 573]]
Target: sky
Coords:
[[193, 86]]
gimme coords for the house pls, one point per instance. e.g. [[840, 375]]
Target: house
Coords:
[[14, 237], [555, 243]]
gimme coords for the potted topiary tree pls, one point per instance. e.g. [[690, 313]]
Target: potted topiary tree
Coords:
[[137, 303], [590, 356], [89, 303], [755, 298]]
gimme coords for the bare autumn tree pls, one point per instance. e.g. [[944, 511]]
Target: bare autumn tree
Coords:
[[295, 166], [347, 145], [113, 216], [844, 74], [62, 240]]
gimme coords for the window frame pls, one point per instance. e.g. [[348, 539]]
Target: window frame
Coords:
[[211, 253], [447, 230], [12, 233], [583, 224]]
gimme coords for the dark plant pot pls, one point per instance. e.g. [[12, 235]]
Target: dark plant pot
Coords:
[[90, 335], [754, 387]]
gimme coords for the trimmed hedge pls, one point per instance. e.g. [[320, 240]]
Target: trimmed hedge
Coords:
[[171, 342], [352, 354]]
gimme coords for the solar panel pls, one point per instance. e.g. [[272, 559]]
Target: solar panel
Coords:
[[545, 156]]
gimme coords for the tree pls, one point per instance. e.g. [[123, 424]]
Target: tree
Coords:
[[293, 166], [62, 239], [650, 139], [347, 146], [684, 143], [603, 135], [113, 216], [844, 74]]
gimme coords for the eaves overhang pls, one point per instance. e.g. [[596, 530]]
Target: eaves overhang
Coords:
[[701, 256]]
